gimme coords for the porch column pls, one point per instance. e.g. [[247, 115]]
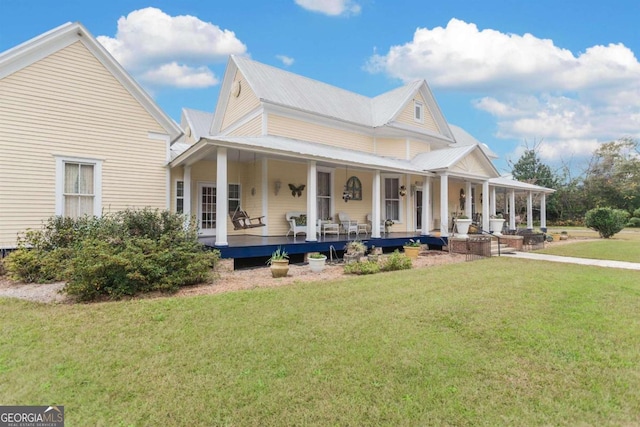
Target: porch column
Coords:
[[467, 202], [512, 209], [444, 205], [493, 201], [375, 205], [222, 197], [312, 205], [426, 208], [530, 211], [187, 193], [543, 212], [265, 195], [485, 205]]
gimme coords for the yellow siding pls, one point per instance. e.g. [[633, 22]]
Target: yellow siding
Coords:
[[291, 128], [396, 148], [238, 107], [418, 147], [252, 128], [357, 210], [68, 104], [287, 173], [407, 115], [471, 164]]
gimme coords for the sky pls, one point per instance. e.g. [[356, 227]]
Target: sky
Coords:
[[561, 76]]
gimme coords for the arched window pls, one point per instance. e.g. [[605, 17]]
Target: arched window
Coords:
[[354, 188]]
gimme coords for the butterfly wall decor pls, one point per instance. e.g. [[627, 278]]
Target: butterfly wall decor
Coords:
[[296, 191]]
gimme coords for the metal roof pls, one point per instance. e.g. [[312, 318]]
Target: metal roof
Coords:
[[508, 182], [280, 87], [462, 137], [441, 159], [198, 121]]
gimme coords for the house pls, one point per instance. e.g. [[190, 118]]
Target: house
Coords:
[[78, 134], [81, 137], [391, 157]]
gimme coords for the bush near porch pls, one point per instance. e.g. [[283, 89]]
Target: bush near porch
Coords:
[[123, 253]]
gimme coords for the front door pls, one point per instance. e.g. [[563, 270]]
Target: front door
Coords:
[[207, 208]]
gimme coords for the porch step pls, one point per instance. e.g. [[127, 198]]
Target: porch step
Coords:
[[503, 249]]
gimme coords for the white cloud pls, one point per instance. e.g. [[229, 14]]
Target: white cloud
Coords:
[[182, 76], [148, 40], [533, 88], [286, 60], [331, 7]]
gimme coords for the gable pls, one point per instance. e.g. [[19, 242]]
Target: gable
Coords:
[[407, 115], [473, 164], [240, 101]]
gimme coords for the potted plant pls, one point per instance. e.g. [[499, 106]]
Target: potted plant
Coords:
[[317, 262], [387, 225], [496, 222], [564, 235], [354, 250], [462, 224], [279, 263], [412, 248]]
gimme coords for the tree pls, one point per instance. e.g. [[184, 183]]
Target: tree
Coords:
[[530, 168], [613, 175]]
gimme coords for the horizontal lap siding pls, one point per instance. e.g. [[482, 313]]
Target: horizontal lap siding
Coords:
[[292, 128], [68, 104], [238, 107], [287, 173], [252, 128], [388, 147], [407, 116], [418, 147]]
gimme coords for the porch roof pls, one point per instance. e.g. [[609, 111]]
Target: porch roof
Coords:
[[506, 181], [298, 149]]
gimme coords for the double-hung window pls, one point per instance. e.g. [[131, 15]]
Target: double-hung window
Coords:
[[234, 197], [78, 187], [392, 199], [179, 196]]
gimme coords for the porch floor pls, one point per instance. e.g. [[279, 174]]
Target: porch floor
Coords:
[[246, 247]]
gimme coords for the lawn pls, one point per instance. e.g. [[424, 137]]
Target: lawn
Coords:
[[624, 246], [493, 342]]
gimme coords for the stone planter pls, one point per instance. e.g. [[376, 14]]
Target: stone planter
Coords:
[[412, 251], [463, 227], [495, 226], [352, 257], [279, 268], [317, 264]]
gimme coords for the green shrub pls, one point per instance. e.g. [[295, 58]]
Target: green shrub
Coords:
[[634, 222], [636, 213], [120, 254], [396, 261], [366, 267], [606, 221]]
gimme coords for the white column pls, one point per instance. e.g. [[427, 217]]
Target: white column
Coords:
[[375, 205], [222, 197], [512, 209], [444, 205], [265, 195], [467, 199], [485, 205], [312, 205], [493, 201], [426, 208], [543, 212], [530, 211], [187, 192]]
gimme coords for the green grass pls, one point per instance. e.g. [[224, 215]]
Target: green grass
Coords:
[[624, 246], [493, 342]]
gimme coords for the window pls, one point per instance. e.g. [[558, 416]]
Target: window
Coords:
[[324, 195], [234, 197], [418, 108], [180, 196], [392, 199], [78, 187]]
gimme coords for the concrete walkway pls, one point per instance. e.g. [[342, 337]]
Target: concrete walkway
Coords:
[[572, 260]]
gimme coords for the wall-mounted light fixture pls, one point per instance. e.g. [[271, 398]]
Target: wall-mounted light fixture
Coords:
[[276, 186]]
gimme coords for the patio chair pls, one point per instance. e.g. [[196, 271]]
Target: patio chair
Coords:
[[297, 222], [348, 225]]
